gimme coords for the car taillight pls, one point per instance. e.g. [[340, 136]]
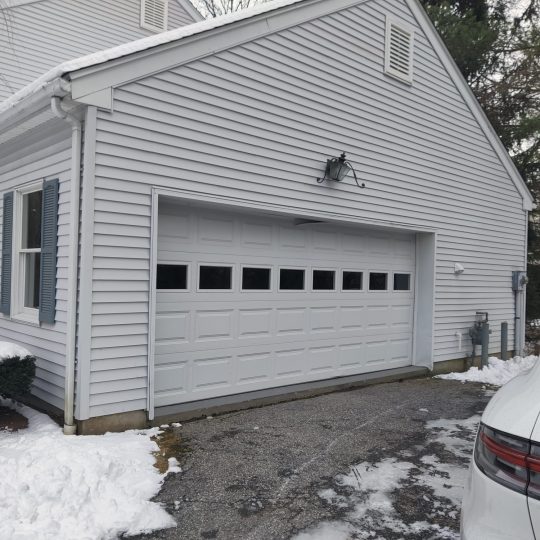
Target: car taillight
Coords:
[[508, 460], [533, 462]]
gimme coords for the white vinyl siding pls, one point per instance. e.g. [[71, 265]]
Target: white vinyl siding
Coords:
[[37, 36], [45, 155], [256, 124]]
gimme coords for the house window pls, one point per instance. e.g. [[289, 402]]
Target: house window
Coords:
[[378, 281], [215, 277], [399, 47], [352, 281], [402, 282], [324, 280], [255, 279], [291, 279], [29, 251], [171, 276], [154, 14]]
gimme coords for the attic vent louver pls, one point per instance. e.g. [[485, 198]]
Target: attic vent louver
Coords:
[[399, 50], [154, 15]]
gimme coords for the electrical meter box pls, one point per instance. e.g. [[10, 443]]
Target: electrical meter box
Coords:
[[519, 280]]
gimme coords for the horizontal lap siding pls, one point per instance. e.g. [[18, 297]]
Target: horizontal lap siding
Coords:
[[23, 163], [37, 36], [256, 123]]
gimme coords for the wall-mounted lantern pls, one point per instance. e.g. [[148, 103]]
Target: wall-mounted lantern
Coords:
[[337, 169]]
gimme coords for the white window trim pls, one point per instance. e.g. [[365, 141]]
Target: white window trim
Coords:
[[362, 289], [405, 27], [219, 265], [151, 27], [262, 266], [18, 310], [388, 284], [188, 276], [336, 274], [289, 291]]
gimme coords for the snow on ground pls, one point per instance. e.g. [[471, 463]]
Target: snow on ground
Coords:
[[372, 495], [9, 350], [497, 372], [54, 486]]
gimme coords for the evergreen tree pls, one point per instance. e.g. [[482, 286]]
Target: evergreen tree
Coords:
[[496, 45]]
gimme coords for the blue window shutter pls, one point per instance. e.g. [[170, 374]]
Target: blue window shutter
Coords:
[[49, 235], [7, 254]]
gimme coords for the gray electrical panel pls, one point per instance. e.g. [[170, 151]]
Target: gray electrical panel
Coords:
[[519, 280]]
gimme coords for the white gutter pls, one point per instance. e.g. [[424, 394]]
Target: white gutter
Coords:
[[76, 139]]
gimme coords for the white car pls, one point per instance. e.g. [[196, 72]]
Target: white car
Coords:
[[502, 495]]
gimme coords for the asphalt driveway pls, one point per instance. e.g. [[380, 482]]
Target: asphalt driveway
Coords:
[[386, 461]]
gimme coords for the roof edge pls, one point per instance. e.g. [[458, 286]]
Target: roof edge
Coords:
[[476, 109]]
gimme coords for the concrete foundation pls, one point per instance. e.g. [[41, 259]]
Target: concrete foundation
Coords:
[[190, 411], [112, 422]]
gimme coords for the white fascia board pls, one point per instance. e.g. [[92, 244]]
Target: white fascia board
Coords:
[[29, 111], [144, 63], [191, 9], [470, 99]]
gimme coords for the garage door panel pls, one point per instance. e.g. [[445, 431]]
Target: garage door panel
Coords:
[[214, 325], [255, 323], [217, 343], [291, 321], [255, 368]]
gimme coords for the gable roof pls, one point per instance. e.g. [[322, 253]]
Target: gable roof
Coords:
[[263, 19]]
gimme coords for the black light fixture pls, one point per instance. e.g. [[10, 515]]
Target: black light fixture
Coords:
[[337, 169]]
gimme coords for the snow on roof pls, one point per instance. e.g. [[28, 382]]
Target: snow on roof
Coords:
[[139, 45]]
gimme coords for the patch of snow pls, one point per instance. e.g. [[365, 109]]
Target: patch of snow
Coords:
[[65, 487], [423, 410], [176, 424], [174, 466], [9, 350], [375, 488], [497, 372]]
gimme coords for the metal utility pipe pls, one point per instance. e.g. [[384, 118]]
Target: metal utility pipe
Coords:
[[76, 140], [485, 345], [504, 341]]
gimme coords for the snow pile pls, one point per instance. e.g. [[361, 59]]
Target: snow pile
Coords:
[[9, 350], [497, 372], [66, 487]]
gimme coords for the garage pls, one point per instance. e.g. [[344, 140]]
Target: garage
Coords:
[[248, 302]]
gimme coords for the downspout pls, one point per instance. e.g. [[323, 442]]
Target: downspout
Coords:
[[76, 140]]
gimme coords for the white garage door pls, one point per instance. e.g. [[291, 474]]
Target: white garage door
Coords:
[[247, 302]]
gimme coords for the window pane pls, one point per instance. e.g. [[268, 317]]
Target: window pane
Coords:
[[352, 281], [31, 279], [323, 280], [291, 280], [215, 277], [378, 281], [31, 224], [256, 279], [402, 282], [171, 276]]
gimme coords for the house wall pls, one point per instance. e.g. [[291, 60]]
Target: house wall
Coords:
[[36, 36], [255, 124], [44, 153]]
